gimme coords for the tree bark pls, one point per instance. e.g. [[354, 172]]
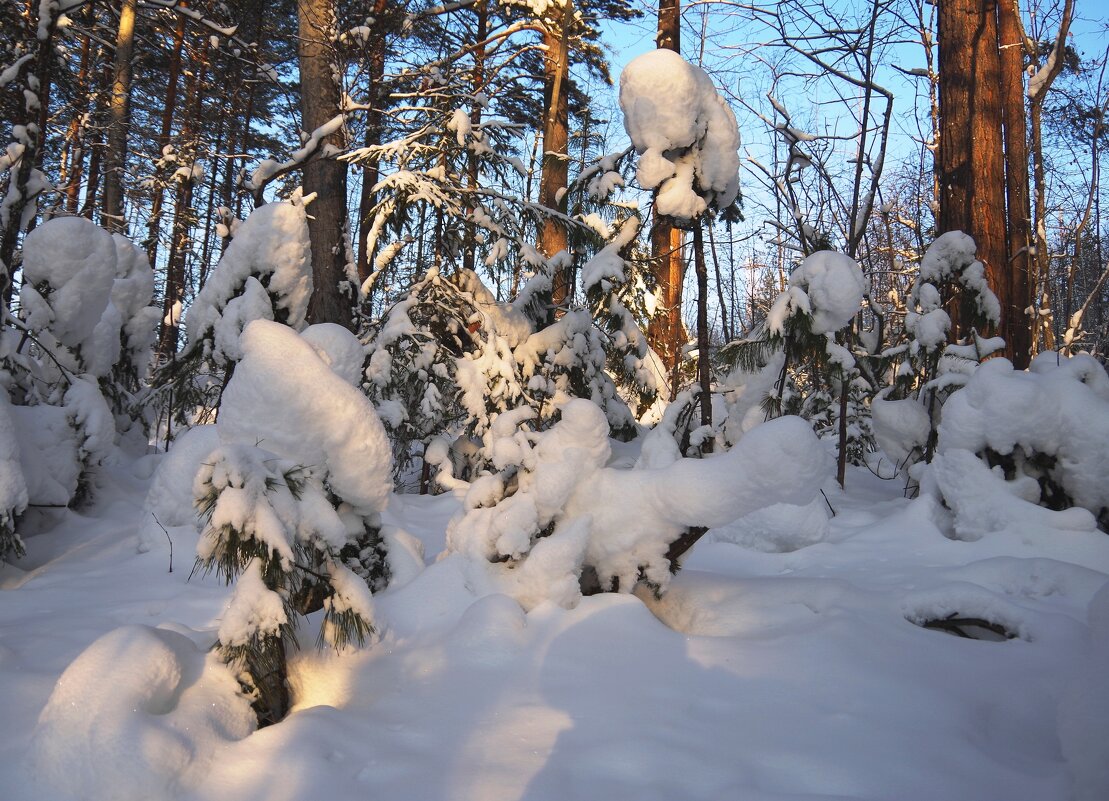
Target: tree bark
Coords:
[[1016, 326], [704, 366], [666, 333], [971, 162], [163, 139], [111, 212], [555, 162], [370, 171], [326, 178]]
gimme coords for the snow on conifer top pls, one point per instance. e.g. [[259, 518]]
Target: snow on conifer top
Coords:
[[285, 398], [272, 248], [685, 134]]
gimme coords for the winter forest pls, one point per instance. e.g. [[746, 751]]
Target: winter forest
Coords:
[[490, 400]]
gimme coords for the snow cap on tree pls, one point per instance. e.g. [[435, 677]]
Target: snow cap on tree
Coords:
[[685, 134], [287, 399]]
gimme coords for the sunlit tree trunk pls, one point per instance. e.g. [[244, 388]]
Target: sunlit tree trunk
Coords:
[[555, 163], [971, 153], [326, 178], [665, 332], [115, 162], [1016, 326]]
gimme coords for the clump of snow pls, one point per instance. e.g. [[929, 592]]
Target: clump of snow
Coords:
[[13, 487], [49, 453], [287, 399], [339, 348], [684, 132], [1053, 421], [950, 259], [69, 267], [138, 712], [827, 286], [901, 427], [265, 274], [562, 513], [254, 610]]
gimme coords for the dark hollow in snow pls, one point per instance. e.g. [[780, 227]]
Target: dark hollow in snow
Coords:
[[971, 628]]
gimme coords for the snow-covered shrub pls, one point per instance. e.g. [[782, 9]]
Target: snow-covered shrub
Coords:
[[439, 363], [547, 516], [810, 324], [271, 527], [265, 274], [616, 296], [1045, 431], [291, 502], [72, 362], [448, 358], [13, 487], [926, 369]]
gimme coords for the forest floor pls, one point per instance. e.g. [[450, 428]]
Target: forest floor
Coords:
[[759, 675]]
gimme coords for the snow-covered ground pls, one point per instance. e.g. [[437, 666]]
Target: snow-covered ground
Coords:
[[759, 675]]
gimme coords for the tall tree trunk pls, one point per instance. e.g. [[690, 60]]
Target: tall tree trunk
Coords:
[[34, 134], [666, 333], [370, 172], [326, 178], [73, 157], [163, 139], [704, 367], [469, 255], [182, 213], [1016, 326], [555, 172], [115, 162], [972, 169]]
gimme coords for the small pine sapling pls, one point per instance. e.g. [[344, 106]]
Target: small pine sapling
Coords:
[[272, 528]]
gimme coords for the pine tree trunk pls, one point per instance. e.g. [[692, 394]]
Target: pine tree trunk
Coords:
[[326, 178], [370, 172], [111, 212], [155, 224], [555, 162], [665, 332], [1016, 325], [704, 366], [971, 163]]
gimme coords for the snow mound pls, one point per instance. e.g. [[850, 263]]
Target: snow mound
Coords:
[[780, 528], [1084, 711], [684, 132], [69, 267], [135, 713], [339, 348], [1053, 420], [286, 399], [170, 497]]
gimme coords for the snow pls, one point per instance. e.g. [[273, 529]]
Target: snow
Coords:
[[288, 400], [785, 659], [685, 134], [1059, 408], [827, 286], [69, 268], [265, 273]]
